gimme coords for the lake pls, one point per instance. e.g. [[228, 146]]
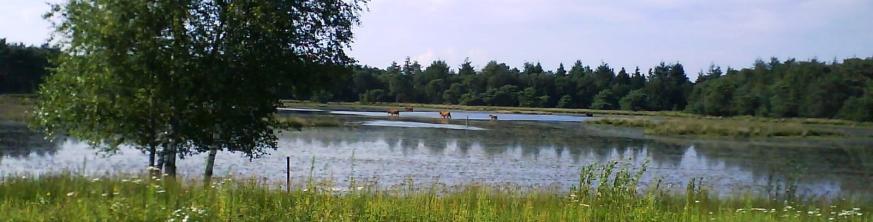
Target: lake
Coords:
[[518, 150]]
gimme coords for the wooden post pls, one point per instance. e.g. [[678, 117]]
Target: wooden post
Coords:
[[288, 174]]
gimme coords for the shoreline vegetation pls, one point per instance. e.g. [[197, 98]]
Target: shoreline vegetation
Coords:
[[606, 192], [657, 123]]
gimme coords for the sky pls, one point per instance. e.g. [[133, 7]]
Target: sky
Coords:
[[622, 33]]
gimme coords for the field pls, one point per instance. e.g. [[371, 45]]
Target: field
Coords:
[[606, 192]]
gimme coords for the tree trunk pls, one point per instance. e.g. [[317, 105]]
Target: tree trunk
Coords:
[[161, 157], [210, 163], [170, 160], [154, 170]]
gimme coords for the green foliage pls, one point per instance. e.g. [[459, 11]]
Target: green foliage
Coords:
[[506, 95], [321, 96], [22, 68], [373, 95], [635, 100], [566, 101], [810, 89], [858, 108], [605, 100], [190, 76]]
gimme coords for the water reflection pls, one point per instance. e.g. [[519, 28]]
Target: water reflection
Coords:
[[521, 153], [17, 141]]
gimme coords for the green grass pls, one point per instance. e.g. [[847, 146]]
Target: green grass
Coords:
[[605, 193], [310, 121], [14, 107], [722, 127]]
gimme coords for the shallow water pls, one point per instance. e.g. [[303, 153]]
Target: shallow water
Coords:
[[531, 153], [464, 115], [410, 124]]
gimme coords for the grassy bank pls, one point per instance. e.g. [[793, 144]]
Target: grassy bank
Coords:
[[299, 122], [14, 107], [721, 127], [617, 198]]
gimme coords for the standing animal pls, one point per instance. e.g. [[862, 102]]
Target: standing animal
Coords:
[[445, 114], [408, 109], [393, 112], [493, 117]]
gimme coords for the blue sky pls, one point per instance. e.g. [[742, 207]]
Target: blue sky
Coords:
[[622, 33]]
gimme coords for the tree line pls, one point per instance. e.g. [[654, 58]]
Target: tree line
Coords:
[[790, 88], [776, 88], [22, 67]]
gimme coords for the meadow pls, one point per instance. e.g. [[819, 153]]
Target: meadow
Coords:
[[606, 192]]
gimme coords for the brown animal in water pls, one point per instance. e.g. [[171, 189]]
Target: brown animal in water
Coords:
[[589, 114], [393, 112], [408, 109], [445, 114], [493, 117]]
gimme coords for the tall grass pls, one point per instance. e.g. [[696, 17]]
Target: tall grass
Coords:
[[724, 127], [610, 192]]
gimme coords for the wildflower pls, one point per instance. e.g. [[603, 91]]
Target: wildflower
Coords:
[[95, 179], [160, 191], [104, 194], [70, 194], [696, 201], [360, 188]]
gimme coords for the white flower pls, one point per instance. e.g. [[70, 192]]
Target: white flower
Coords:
[[70, 194]]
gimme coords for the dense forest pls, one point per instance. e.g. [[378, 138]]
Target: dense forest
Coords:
[[776, 88], [22, 67]]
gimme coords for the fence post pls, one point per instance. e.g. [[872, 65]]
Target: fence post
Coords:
[[288, 174]]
